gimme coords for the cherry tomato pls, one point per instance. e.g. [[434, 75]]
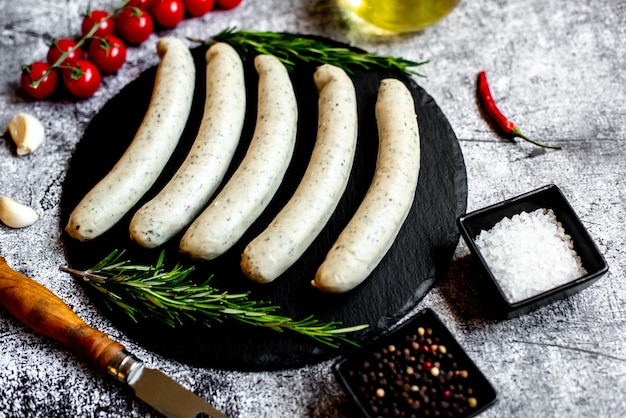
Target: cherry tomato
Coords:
[[108, 53], [60, 46], [142, 4], [81, 78], [34, 72], [198, 7], [168, 13], [228, 4], [107, 23], [134, 25]]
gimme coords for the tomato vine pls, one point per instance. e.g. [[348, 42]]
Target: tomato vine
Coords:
[[133, 21]]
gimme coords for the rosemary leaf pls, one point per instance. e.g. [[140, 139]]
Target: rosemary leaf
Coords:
[[291, 48], [170, 296]]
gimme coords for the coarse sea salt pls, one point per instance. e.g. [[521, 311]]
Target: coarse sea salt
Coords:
[[529, 253]]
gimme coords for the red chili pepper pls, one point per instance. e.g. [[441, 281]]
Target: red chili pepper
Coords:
[[503, 123]]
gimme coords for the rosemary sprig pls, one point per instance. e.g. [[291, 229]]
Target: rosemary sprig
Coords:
[[291, 48], [145, 291]]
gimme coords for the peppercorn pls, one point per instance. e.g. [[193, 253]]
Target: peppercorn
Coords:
[[421, 373]]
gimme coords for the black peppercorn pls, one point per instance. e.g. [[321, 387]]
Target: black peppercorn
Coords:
[[417, 371]]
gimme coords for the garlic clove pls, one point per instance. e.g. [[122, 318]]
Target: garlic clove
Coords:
[[27, 133], [16, 215]]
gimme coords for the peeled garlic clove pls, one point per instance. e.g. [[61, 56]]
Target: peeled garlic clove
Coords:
[[27, 133], [16, 215]]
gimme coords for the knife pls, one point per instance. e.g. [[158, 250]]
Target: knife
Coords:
[[47, 314]]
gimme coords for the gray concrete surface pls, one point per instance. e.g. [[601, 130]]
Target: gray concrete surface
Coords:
[[557, 68]]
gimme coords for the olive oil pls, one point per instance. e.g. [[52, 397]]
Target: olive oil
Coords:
[[401, 15]]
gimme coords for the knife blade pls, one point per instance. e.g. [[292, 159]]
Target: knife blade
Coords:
[[47, 314]]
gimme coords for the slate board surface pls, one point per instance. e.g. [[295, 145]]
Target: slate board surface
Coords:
[[424, 246]]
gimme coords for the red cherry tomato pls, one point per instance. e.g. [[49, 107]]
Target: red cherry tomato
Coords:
[[108, 53], [168, 13], [228, 4], [134, 25], [60, 46], [107, 23], [142, 4], [198, 7], [81, 78], [34, 72]]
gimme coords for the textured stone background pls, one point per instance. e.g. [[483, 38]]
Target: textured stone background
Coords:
[[557, 68]]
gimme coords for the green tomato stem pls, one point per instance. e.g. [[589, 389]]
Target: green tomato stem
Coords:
[[79, 43]]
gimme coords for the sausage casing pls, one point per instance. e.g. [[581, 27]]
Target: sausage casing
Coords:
[[372, 230], [191, 187], [300, 221], [146, 156], [256, 180]]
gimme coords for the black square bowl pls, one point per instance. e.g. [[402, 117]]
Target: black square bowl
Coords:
[[547, 197], [418, 369]]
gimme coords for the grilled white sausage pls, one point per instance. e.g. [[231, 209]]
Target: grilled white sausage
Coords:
[[137, 170], [256, 180], [296, 226], [376, 223], [189, 190]]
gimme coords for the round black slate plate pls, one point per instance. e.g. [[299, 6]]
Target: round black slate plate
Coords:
[[422, 249]]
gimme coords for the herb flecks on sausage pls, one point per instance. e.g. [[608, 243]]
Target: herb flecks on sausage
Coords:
[[191, 187], [251, 187], [375, 225], [146, 156], [300, 221]]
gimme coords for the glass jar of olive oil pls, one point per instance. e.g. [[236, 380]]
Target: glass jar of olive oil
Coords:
[[401, 15]]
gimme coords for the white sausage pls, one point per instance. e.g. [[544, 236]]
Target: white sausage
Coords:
[[184, 196], [256, 180], [296, 226], [137, 170], [377, 222]]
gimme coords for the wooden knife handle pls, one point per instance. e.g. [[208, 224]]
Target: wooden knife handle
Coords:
[[44, 312]]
